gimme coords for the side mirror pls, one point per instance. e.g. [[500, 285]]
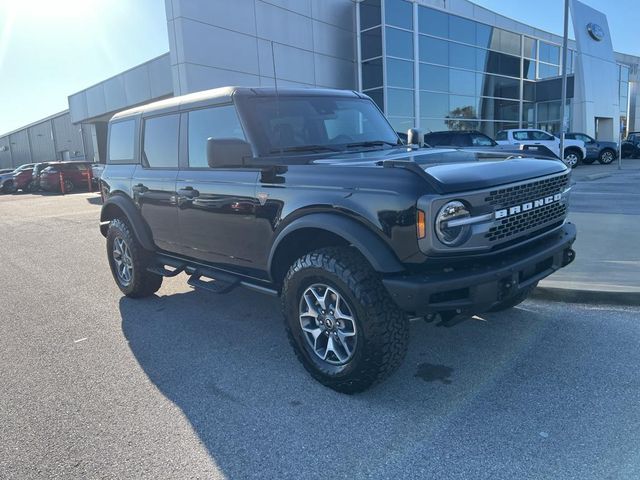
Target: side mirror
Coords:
[[415, 137], [227, 152]]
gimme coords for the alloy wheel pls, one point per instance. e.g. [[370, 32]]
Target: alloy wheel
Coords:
[[328, 323], [607, 157], [123, 261], [571, 159]]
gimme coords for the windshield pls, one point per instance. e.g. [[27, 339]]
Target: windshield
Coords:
[[313, 124]]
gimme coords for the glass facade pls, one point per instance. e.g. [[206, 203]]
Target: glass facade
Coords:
[[440, 71]]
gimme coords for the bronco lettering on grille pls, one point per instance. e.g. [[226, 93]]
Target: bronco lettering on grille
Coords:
[[525, 207]]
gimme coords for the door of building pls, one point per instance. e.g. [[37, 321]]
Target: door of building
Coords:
[[604, 129]]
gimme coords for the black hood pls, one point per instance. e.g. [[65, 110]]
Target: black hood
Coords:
[[451, 171]]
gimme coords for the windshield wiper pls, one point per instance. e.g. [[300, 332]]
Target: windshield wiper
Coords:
[[306, 148], [372, 143]]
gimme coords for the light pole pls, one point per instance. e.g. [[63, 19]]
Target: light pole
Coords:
[[565, 41]]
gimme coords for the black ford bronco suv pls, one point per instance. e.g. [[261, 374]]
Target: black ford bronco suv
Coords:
[[310, 195]]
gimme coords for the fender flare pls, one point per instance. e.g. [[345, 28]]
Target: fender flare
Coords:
[[373, 248], [133, 216]]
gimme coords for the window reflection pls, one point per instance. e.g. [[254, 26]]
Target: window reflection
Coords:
[[399, 73], [400, 102], [369, 14], [433, 50], [371, 43], [372, 74], [433, 22], [434, 78], [399, 43]]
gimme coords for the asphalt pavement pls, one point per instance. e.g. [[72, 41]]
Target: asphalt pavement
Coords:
[[193, 385]]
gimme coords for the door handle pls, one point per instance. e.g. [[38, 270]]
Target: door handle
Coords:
[[188, 192], [139, 188]]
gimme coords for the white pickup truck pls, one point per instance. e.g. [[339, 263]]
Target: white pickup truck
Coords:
[[574, 150]]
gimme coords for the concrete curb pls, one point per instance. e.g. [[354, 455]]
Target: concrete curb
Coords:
[[597, 176], [585, 295]]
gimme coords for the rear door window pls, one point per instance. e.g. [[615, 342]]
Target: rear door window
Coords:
[[536, 135], [522, 135], [160, 142], [121, 141]]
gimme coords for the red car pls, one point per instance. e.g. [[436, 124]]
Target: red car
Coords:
[[22, 179], [74, 174]]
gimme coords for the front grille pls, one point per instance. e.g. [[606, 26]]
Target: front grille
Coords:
[[507, 197], [523, 222]]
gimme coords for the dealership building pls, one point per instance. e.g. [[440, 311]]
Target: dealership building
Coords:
[[431, 64]]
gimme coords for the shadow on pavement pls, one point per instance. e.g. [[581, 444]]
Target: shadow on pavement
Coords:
[[226, 363]]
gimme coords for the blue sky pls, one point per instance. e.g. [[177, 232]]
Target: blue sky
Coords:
[[50, 49]]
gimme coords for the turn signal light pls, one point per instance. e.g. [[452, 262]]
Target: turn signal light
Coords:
[[421, 224]]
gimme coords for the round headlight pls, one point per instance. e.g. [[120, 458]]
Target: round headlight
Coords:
[[448, 229]]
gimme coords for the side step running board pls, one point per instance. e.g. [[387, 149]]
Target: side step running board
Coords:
[[165, 272], [217, 281], [215, 286]]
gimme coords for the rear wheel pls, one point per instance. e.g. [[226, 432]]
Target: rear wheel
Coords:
[[343, 325], [129, 262], [607, 156]]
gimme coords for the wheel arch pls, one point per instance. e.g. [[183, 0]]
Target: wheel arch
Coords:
[[573, 148], [319, 230], [120, 206]]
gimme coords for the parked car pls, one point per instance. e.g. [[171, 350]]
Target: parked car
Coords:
[[74, 176], [22, 180], [6, 170], [96, 172], [35, 175], [310, 195], [478, 141], [630, 148], [7, 183], [604, 152], [574, 150]]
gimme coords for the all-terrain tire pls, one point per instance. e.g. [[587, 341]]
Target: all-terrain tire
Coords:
[[514, 301], [382, 331], [142, 283]]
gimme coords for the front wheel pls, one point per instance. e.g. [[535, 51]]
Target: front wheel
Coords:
[[572, 158], [607, 157], [343, 325], [129, 262]]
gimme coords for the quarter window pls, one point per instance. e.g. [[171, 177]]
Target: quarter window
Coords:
[[217, 122], [121, 141], [161, 141]]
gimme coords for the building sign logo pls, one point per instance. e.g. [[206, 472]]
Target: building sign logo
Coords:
[[596, 31]]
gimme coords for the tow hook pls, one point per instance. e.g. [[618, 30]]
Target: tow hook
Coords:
[[568, 257]]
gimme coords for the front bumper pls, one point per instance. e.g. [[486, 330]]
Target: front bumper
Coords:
[[478, 288]]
